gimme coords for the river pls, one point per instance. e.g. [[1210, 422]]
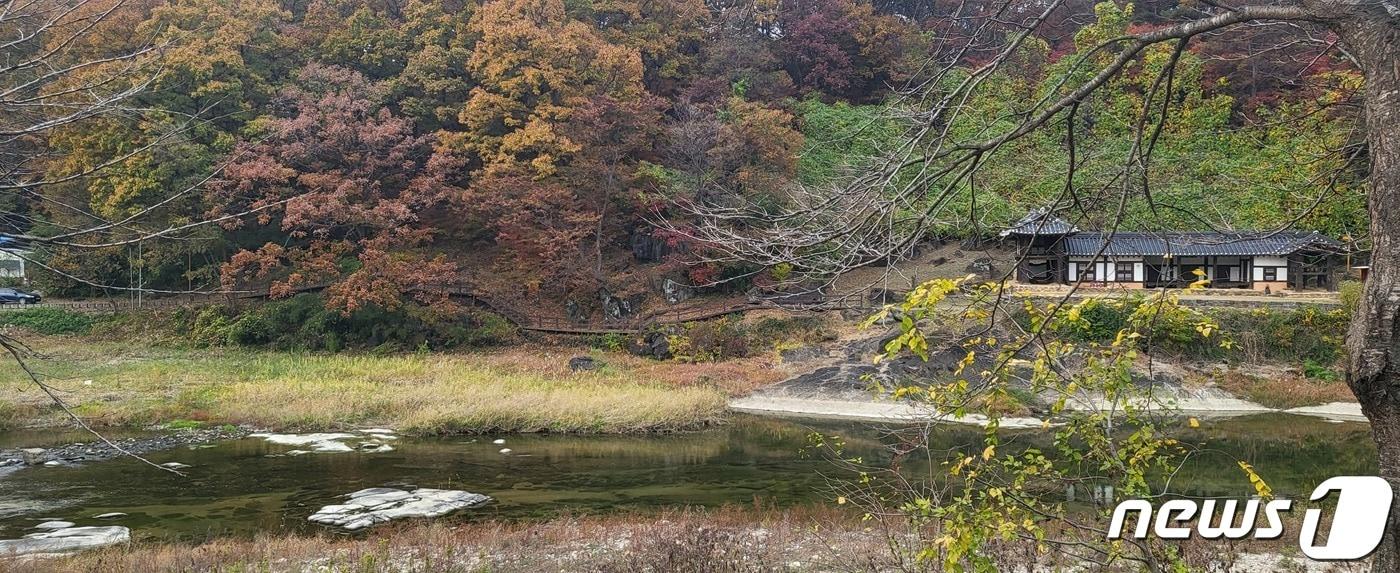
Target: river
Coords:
[[245, 486]]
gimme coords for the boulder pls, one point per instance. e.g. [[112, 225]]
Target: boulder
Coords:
[[33, 456], [371, 440], [675, 291], [654, 344], [616, 308], [583, 364], [65, 540], [381, 504], [982, 267], [575, 312]]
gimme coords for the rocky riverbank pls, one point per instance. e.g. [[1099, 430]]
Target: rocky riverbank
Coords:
[[96, 450], [836, 382]]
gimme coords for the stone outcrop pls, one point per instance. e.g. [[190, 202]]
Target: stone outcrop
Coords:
[[371, 440], [982, 267], [654, 344], [381, 504], [675, 291], [616, 308], [583, 364], [647, 248], [65, 540]]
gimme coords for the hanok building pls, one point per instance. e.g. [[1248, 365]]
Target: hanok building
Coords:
[[1052, 251]]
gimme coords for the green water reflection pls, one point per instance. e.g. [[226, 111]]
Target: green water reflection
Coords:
[[236, 489]]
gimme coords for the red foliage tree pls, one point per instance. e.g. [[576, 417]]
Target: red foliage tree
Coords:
[[352, 185]]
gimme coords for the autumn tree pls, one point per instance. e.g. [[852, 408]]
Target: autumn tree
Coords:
[[839, 47], [354, 191], [555, 105]]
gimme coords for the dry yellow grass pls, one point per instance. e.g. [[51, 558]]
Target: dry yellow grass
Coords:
[[514, 390], [1284, 390], [728, 539]]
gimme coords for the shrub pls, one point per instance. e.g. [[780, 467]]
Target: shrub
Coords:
[[612, 341], [210, 327], [725, 338], [1304, 334], [1314, 371], [1103, 318], [9, 415], [48, 320], [781, 271], [788, 332], [303, 322], [1350, 292], [1254, 335], [251, 329]]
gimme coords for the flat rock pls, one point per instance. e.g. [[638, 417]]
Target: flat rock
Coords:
[[371, 440], [65, 540], [320, 442], [54, 525], [381, 504], [112, 515]]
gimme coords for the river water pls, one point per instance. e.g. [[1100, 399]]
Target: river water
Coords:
[[243, 486]]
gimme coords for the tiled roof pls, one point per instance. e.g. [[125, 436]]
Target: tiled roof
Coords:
[[1196, 244], [1040, 222]]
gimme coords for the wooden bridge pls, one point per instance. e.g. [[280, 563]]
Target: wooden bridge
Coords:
[[629, 325], [539, 322]]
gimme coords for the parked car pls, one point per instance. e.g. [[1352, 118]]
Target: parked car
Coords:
[[16, 296]]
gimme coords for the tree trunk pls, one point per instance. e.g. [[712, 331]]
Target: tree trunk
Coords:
[[1373, 343]]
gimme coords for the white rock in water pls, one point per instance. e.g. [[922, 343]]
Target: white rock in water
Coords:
[[112, 515], [174, 465], [54, 525], [52, 463], [65, 540], [499, 442], [506, 450], [325, 442], [380, 504]]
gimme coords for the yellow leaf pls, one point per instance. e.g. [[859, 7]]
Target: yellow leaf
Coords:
[[1260, 487], [1193, 422], [841, 500], [989, 452]]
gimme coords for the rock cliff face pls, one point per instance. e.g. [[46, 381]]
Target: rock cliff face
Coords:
[[617, 308], [675, 291], [648, 248], [850, 373]]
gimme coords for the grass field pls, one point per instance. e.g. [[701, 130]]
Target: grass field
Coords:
[[517, 390]]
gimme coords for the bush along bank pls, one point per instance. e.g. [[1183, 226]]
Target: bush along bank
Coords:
[[721, 339], [48, 320], [303, 322], [1309, 337]]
